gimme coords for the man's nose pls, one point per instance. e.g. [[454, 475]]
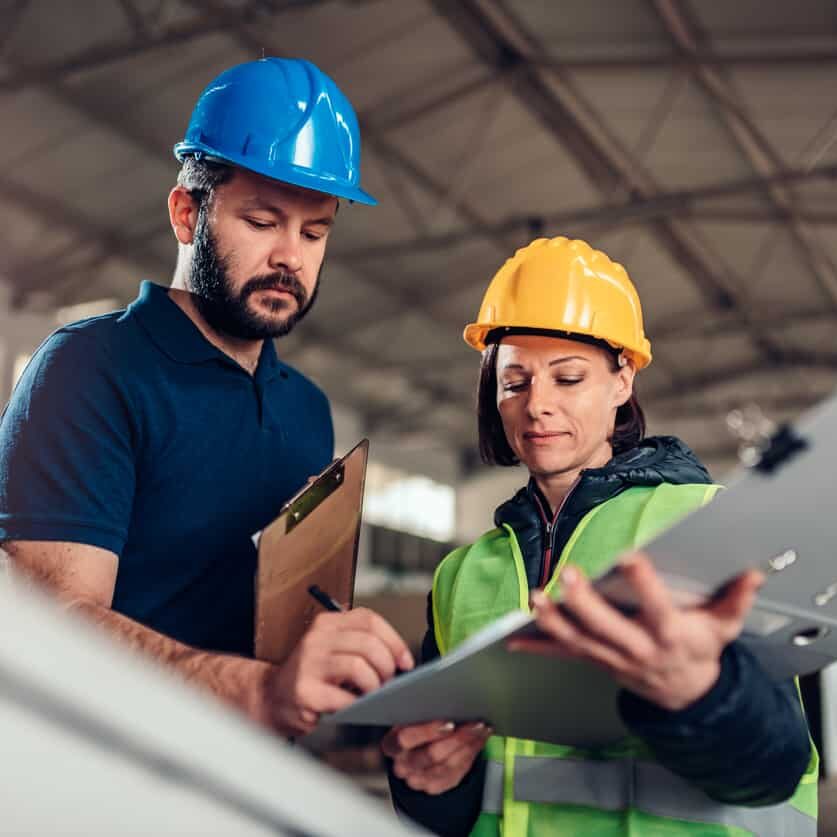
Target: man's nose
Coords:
[[287, 252]]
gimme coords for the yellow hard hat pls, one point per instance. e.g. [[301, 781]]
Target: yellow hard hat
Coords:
[[564, 285]]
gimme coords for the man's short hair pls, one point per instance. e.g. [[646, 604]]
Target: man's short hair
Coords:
[[201, 178]]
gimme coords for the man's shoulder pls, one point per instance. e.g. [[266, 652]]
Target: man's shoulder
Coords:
[[110, 337], [103, 329], [83, 352]]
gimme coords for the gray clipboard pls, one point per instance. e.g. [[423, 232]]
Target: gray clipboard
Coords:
[[523, 695], [313, 540], [781, 516]]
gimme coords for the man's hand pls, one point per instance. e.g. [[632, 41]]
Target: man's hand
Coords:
[[340, 656], [434, 757], [666, 654]]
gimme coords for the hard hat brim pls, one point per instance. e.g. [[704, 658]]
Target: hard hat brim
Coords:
[[281, 172], [476, 333]]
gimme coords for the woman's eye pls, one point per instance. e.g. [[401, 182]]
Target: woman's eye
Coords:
[[514, 386], [312, 236], [568, 382]]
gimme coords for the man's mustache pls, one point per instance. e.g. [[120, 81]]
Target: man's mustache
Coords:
[[276, 282]]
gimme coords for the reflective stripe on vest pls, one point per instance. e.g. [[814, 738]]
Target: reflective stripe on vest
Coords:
[[644, 786]]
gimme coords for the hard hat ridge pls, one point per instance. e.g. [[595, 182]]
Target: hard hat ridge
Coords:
[[565, 287]]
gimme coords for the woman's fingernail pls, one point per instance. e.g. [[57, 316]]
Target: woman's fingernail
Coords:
[[450, 726], [569, 576], [406, 661]]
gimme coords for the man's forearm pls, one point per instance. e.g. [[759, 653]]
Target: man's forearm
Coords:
[[81, 578], [236, 680]]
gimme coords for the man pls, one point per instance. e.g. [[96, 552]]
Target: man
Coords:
[[142, 449]]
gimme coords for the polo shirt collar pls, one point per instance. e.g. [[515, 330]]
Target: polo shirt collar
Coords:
[[179, 338]]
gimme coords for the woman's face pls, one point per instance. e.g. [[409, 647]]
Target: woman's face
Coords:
[[557, 401]]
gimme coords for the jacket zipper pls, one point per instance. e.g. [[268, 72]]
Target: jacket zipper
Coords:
[[549, 529]]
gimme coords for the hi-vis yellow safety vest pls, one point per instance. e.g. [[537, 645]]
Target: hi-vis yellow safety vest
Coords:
[[533, 788]]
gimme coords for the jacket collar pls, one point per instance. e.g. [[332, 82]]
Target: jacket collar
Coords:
[[654, 461]]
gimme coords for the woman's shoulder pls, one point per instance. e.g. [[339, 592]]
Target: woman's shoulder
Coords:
[[658, 459]]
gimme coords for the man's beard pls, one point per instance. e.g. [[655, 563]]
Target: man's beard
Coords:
[[226, 310]]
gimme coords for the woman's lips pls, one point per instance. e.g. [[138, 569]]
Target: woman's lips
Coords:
[[544, 437]]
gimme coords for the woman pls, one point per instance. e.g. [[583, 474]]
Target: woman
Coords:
[[716, 747]]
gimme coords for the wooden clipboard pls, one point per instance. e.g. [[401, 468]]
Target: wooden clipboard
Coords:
[[313, 540]]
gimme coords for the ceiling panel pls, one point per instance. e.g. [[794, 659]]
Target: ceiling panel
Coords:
[[59, 30], [752, 22], [584, 28], [792, 106], [692, 147]]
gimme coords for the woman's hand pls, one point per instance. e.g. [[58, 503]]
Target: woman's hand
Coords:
[[666, 654], [434, 757]]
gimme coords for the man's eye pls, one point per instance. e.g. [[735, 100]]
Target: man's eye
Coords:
[[568, 382], [256, 224], [313, 236]]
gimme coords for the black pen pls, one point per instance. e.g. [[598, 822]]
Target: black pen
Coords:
[[324, 599]]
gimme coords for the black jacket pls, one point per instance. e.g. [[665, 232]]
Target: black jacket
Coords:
[[744, 743]]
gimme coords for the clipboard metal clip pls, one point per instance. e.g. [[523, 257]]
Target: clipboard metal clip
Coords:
[[311, 497], [764, 446]]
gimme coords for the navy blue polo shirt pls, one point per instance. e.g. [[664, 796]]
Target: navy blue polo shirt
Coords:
[[133, 433]]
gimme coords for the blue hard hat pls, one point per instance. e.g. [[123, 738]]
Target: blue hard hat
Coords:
[[282, 118]]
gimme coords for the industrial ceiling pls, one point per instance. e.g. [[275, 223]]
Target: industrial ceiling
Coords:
[[695, 141]]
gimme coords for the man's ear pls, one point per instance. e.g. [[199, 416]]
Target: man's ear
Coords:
[[183, 214], [625, 383]]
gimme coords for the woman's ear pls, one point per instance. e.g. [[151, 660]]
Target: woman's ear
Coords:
[[624, 383]]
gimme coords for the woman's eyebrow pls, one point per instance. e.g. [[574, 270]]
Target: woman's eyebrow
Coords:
[[521, 368], [565, 359]]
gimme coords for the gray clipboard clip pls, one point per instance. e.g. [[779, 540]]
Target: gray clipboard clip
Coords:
[[312, 495], [764, 446]]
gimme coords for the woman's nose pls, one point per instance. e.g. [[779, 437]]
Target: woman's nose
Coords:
[[538, 403]]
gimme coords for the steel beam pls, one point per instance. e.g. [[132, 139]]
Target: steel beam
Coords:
[[688, 409], [703, 381], [57, 214], [691, 324], [765, 59], [100, 55], [11, 19], [688, 38], [634, 210]]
